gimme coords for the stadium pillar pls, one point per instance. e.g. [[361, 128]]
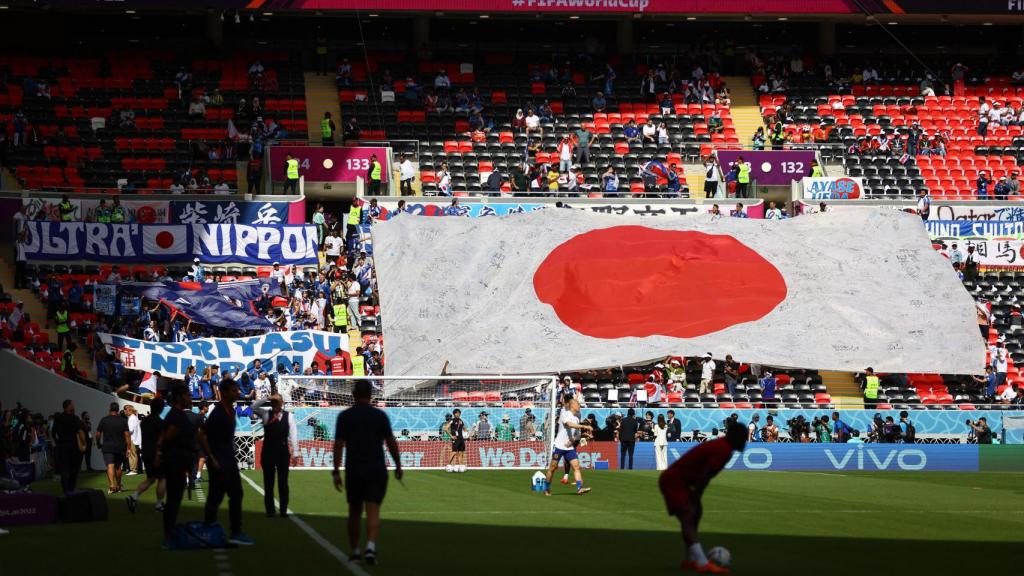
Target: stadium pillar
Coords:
[[420, 32], [827, 38], [215, 29], [624, 36]]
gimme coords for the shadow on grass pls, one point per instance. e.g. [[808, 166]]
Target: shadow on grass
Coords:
[[414, 547]]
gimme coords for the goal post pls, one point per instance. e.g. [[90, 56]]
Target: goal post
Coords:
[[509, 420]]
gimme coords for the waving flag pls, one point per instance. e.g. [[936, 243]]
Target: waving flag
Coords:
[[221, 304], [566, 290]]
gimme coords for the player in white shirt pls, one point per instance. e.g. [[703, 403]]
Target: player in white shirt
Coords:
[[569, 431]]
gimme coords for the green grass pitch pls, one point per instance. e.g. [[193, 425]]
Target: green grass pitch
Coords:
[[489, 523]]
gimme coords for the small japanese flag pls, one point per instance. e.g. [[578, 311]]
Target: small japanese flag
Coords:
[[164, 240]]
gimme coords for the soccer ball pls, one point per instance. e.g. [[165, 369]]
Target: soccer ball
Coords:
[[720, 556]]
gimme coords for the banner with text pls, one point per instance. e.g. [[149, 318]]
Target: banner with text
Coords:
[[211, 243], [482, 209], [487, 454], [843, 188], [229, 212], [231, 354], [771, 167], [990, 252], [968, 228], [833, 457], [330, 163]]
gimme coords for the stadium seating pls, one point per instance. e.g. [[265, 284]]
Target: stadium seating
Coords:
[[505, 84], [81, 146], [862, 111]]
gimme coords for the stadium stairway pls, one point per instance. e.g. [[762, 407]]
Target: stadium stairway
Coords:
[[321, 96], [744, 108], [845, 392], [36, 308]]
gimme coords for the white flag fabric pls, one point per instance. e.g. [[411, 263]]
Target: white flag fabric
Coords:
[[165, 240], [565, 290]]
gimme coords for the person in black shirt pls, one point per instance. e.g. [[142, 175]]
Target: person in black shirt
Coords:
[[113, 438], [69, 443], [981, 431], [217, 438], [87, 428], [359, 434], [457, 432], [280, 443], [627, 439], [174, 456], [152, 427]]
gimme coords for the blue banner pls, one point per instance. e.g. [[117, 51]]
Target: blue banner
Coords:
[[974, 228], [211, 243], [228, 212], [420, 420], [221, 304], [833, 457]]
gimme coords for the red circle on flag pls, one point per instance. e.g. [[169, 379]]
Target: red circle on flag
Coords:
[[164, 239], [637, 281], [145, 215]]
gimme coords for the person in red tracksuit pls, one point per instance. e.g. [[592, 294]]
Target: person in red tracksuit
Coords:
[[684, 482]]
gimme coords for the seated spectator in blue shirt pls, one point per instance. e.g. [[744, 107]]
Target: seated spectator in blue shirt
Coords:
[[245, 388], [739, 212], [75, 297], [631, 132], [599, 102], [768, 386]]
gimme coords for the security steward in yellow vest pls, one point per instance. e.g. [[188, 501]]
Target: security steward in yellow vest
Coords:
[[67, 211], [871, 383], [327, 129], [743, 178], [291, 180], [117, 214], [358, 363], [63, 326], [373, 175], [340, 315], [103, 213]]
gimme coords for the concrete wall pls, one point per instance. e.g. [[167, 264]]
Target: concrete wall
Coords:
[[43, 391]]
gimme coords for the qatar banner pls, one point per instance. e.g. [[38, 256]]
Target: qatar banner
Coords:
[[981, 229], [233, 355], [329, 163], [772, 457], [843, 188], [479, 454], [556, 291], [211, 243], [771, 167]]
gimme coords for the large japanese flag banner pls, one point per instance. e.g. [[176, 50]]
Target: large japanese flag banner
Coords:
[[566, 290]]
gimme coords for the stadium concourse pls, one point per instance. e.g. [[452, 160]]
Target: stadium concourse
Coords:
[[136, 267]]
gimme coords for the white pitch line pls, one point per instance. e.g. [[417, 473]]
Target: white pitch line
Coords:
[[331, 549]]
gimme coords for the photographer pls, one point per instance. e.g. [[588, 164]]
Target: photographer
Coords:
[[980, 431]]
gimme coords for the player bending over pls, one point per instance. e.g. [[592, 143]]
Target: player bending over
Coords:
[[684, 482], [565, 441]]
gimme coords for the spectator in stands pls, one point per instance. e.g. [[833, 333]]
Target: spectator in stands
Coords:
[[924, 203], [1002, 189], [715, 124], [732, 373], [758, 139], [982, 184], [1013, 186], [583, 137], [773, 212], [662, 134], [565, 153], [599, 103], [441, 81], [649, 88], [666, 106], [739, 211], [971, 262], [707, 373], [196, 109], [533, 124], [631, 132], [675, 184], [494, 180], [352, 131]]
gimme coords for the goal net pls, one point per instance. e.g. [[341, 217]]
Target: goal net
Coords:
[[509, 422]]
